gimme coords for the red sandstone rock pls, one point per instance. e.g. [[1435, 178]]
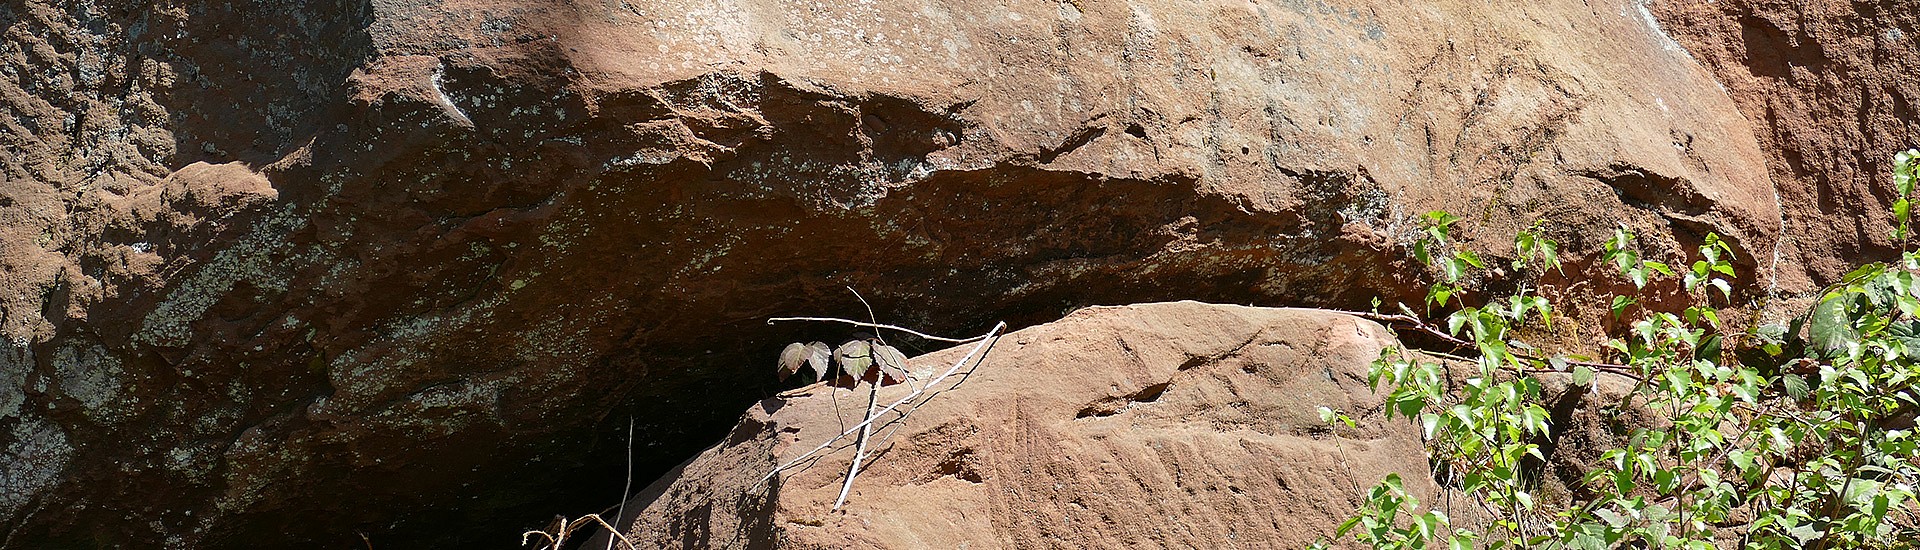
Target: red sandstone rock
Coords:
[[1166, 425], [1828, 87], [289, 272]]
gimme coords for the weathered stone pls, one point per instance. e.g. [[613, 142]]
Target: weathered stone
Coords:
[[1829, 89], [1170, 425], [286, 273]]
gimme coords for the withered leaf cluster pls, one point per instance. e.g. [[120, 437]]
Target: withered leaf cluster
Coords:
[[858, 360]]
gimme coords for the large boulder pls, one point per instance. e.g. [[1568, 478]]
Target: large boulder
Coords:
[[1168, 425], [298, 273]]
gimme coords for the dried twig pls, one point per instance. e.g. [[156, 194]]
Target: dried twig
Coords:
[[859, 446], [554, 541], [866, 432], [626, 491], [877, 325]]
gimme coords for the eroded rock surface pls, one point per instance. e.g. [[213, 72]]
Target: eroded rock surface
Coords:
[[1168, 425], [290, 273], [1829, 88]]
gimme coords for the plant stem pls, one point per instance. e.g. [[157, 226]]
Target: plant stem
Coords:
[[1422, 326]]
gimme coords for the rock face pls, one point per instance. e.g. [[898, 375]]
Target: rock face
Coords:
[[284, 273], [1829, 88], [1166, 425]]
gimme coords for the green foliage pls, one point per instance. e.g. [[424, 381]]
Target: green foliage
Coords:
[[1797, 435]]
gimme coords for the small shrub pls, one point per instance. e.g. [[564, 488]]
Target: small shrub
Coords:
[[1794, 435]]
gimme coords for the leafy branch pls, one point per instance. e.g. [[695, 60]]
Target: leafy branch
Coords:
[[1795, 435]]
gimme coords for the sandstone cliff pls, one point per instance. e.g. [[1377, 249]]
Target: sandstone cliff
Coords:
[[293, 273]]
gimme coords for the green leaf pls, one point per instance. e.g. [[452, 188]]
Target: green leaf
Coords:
[[1907, 335], [1726, 290], [1620, 304], [1829, 327], [1550, 254], [1796, 386], [1452, 269], [1582, 375], [1862, 273], [1614, 519], [1459, 318], [1903, 171], [1638, 275], [1472, 259], [1709, 348]]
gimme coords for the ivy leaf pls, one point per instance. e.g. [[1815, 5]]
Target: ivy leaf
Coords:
[[1407, 311], [1805, 533], [1709, 349], [1459, 318], [1903, 171], [892, 363], [813, 356], [1612, 518], [855, 359], [791, 359], [1523, 243], [1453, 268]]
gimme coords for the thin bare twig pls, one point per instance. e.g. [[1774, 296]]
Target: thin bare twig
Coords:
[[878, 325], [627, 490], [983, 341], [871, 318], [859, 446], [866, 432], [556, 540]]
